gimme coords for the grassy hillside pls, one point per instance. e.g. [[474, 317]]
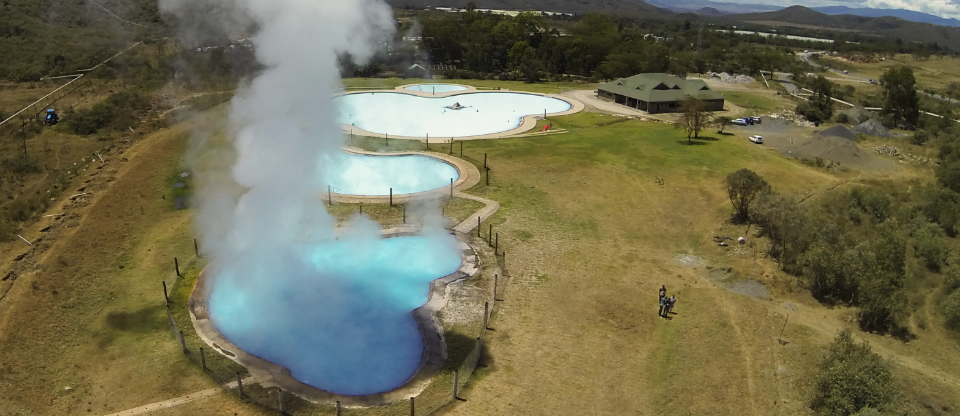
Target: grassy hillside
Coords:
[[886, 26], [53, 37], [622, 7]]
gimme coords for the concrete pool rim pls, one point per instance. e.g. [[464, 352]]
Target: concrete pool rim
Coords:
[[467, 176], [467, 88], [268, 374], [527, 123]]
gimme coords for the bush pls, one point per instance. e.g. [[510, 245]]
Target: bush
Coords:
[[919, 137], [951, 277], [873, 202], [930, 247], [852, 378], [951, 309], [841, 118], [743, 187]]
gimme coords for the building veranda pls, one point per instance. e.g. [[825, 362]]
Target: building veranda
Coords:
[[659, 93]]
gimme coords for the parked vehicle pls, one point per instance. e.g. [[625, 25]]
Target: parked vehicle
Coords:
[[757, 119], [756, 139], [52, 117], [738, 122]]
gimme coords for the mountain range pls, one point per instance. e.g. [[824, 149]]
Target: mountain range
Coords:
[[707, 7]]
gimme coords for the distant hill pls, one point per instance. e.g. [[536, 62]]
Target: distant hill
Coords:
[[901, 13], [894, 27], [709, 11], [623, 7], [694, 6]]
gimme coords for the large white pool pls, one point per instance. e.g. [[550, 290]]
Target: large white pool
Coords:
[[339, 315], [434, 88], [400, 114], [353, 174]]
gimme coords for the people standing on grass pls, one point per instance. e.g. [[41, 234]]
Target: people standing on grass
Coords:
[[663, 297], [666, 304], [670, 302]]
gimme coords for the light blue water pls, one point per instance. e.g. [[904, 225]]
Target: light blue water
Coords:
[[353, 174], [342, 323], [402, 114], [432, 88]]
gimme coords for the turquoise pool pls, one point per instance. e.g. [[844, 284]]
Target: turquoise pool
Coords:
[[337, 314], [400, 114], [370, 175]]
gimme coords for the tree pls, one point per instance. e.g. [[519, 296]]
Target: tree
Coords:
[[721, 122], [822, 99], [694, 117], [743, 187], [851, 378], [953, 90], [900, 97]]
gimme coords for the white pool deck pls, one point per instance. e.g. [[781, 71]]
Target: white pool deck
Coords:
[[528, 122]]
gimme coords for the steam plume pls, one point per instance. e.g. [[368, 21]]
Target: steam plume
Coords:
[[284, 290]]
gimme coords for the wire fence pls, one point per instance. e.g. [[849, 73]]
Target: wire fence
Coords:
[[464, 347]]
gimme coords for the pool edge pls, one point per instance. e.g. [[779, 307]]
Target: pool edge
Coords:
[[269, 374], [527, 123], [468, 176]]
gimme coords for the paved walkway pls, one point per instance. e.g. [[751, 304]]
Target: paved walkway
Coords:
[[469, 224], [176, 401]]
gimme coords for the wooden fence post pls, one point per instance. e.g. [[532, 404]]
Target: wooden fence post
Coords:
[[176, 265], [456, 380]]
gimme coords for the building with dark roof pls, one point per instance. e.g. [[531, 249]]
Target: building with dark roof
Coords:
[[659, 93]]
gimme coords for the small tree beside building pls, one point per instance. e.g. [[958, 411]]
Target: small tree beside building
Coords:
[[694, 116]]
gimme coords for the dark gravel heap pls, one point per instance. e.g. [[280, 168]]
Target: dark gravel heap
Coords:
[[838, 131]]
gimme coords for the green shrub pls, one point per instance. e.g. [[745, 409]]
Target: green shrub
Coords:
[[873, 202], [852, 378], [951, 277], [931, 247], [951, 309], [841, 118]]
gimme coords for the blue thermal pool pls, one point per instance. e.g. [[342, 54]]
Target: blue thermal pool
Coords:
[[338, 314], [353, 174], [432, 88], [400, 114]]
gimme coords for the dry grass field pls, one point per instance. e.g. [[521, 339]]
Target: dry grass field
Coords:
[[589, 235], [934, 73]]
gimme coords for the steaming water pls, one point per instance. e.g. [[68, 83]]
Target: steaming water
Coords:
[[374, 175], [431, 88], [409, 115], [358, 335]]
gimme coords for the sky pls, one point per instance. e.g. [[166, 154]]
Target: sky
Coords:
[[942, 8]]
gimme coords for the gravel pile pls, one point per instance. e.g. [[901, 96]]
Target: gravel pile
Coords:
[[838, 131], [873, 128], [732, 79], [858, 113]]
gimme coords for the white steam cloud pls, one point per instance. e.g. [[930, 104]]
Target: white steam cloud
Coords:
[[285, 290]]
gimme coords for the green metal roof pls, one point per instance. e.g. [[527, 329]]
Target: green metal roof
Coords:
[[654, 88]]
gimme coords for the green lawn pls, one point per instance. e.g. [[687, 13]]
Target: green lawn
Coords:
[[752, 101]]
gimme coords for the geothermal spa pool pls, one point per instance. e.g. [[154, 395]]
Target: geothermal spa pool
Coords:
[[354, 174], [400, 114], [432, 88], [339, 315]]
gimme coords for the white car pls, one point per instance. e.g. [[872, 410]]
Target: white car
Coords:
[[739, 122], [756, 139]]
